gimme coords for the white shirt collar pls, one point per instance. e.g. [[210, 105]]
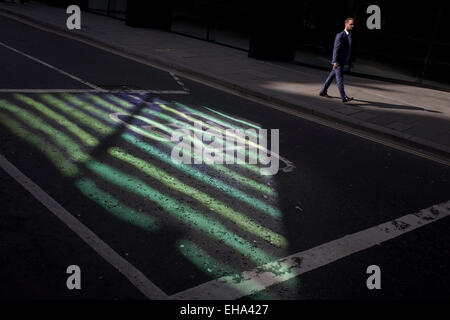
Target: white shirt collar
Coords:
[[346, 31]]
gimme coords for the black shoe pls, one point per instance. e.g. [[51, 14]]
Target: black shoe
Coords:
[[347, 99], [324, 94]]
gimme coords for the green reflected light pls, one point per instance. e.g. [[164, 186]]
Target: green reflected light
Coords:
[[249, 167], [72, 148], [202, 260], [180, 211], [203, 177], [60, 162], [63, 121], [120, 101], [182, 124], [101, 102], [232, 118], [215, 119], [184, 213], [260, 187], [219, 207], [114, 206], [78, 115], [87, 106]]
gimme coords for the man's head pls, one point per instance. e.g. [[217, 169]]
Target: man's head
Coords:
[[349, 22]]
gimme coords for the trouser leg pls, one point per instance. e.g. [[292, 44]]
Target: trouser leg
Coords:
[[340, 80], [328, 81]]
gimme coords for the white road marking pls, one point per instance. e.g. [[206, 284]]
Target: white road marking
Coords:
[[250, 282], [151, 91], [136, 277], [178, 80], [48, 90], [50, 66], [92, 91]]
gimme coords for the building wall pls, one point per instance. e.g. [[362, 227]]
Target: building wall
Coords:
[[112, 8], [412, 45]]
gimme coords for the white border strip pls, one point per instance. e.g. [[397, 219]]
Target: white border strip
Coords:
[[136, 277], [92, 90], [178, 80], [260, 278]]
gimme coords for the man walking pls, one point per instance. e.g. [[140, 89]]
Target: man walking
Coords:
[[341, 54]]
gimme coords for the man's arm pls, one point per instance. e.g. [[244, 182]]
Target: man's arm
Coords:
[[352, 57], [336, 49]]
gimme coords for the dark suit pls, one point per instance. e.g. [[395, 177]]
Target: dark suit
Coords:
[[341, 55]]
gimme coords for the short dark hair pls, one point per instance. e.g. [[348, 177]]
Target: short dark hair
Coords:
[[348, 19]]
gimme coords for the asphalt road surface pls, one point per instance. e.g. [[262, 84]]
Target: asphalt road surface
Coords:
[[88, 180]]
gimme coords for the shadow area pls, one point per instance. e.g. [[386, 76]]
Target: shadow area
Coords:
[[382, 105], [377, 104]]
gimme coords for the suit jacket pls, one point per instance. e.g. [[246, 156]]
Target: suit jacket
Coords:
[[342, 45]]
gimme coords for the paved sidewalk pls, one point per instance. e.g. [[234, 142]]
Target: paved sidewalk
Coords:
[[410, 114]]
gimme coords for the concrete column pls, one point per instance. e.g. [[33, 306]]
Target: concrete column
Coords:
[[149, 14], [83, 4], [275, 31]]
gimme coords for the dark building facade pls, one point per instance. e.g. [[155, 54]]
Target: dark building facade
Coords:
[[413, 44]]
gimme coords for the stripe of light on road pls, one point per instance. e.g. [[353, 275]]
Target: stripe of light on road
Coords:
[[181, 124], [294, 265], [123, 213], [71, 147], [254, 131], [86, 186], [180, 211], [196, 141], [52, 67], [232, 118], [85, 119], [116, 207], [217, 206], [208, 116], [238, 138], [89, 107], [58, 118], [192, 138], [115, 117], [203, 260], [109, 118], [253, 156], [218, 167], [98, 126], [39, 124], [136, 277], [204, 177], [215, 119], [52, 153]]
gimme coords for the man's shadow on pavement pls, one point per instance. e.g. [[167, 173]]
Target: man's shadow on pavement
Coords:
[[383, 105]]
